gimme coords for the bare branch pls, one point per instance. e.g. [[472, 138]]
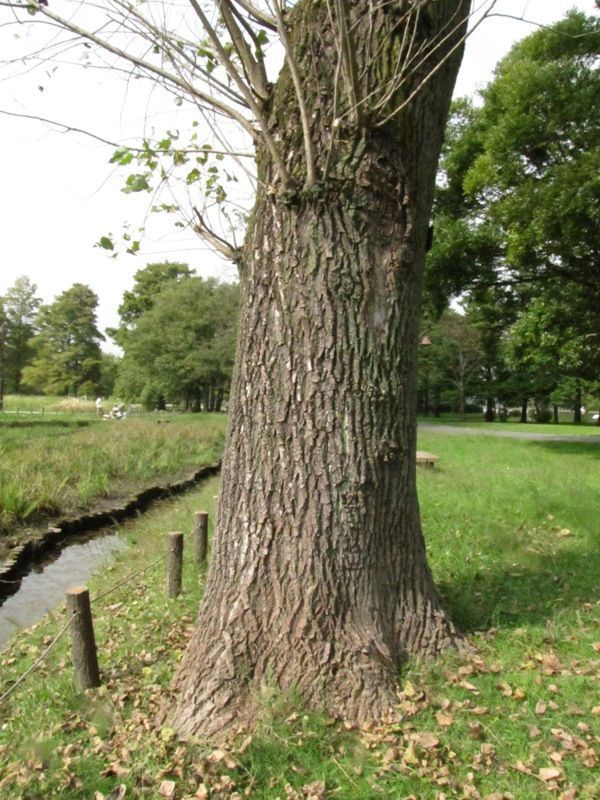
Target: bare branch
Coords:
[[350, 70], [306, 132], [72, 129], [255, 13], [141, 63], [245, 90], [254, 68], [440, 63], [221, 245]]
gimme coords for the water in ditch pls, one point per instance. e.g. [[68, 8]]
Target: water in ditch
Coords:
[[44, 588]]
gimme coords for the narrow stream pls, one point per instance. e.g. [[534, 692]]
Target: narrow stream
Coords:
[[44, 589]]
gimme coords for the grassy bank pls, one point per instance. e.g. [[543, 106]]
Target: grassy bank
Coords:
[[56, 466], [512, 536]]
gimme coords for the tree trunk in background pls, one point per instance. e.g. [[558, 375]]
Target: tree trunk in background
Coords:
[[319, 578], [490, 411], [555, 417], [524, 411], [577, 406]]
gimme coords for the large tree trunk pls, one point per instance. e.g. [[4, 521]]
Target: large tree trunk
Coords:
[[319, 578]]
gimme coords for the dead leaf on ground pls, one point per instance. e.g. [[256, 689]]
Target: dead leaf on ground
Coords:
[[550, 773], [427, 740], [167, 789]]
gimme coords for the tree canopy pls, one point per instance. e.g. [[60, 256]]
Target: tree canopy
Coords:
[[67, 355], [518, 200], [182, 346], [21, 305], [147, 285], [518, 205]]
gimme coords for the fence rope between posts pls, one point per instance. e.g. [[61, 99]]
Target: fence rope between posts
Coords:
[[125, 580], [69, 622], [39, 660]]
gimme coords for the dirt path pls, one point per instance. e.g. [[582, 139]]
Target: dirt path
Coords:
[[544, 437]]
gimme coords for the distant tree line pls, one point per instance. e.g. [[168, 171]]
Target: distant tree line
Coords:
[[176, 331]]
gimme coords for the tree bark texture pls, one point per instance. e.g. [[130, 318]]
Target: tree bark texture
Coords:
[[319, 578]]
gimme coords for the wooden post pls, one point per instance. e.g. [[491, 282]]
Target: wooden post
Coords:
[[85, 659], [174, 563], [200, 536]]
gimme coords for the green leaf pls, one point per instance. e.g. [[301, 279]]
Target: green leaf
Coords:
[[122, 155], [105, 243], [136, 183]]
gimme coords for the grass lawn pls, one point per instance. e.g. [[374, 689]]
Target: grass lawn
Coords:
[[512, 536], [52, 466], [587, 428]]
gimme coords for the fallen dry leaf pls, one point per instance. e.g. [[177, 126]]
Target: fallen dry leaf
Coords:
[[569, 794], [426, 740], [445, 720], [540, 708], [550, 773], [469, 687], [314, 791]]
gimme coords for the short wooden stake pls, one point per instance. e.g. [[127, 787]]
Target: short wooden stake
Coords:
[[200, 536], [174, 563], [83, 643]]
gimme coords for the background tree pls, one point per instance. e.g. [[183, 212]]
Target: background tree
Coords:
[[318, 578], [182, 347], [109, 369], [516, 210], [21, 304], [147, 285], [518, 197], [453, 361], [67, 355]]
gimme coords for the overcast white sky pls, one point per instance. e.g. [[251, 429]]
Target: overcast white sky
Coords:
[[59, 194]]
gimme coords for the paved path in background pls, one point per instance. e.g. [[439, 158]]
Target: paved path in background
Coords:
[[542, 437]]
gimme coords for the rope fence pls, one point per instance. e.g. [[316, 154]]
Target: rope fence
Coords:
[[79, 608], [37, 662], [129, 578]]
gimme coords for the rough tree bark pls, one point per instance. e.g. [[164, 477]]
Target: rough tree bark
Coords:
[[319, 578]]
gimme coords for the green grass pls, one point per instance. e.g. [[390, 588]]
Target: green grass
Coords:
[[53, 467], [588, 426], [512, 536]]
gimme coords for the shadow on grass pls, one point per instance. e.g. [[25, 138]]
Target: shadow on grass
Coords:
[[516, 597], [587, 449]]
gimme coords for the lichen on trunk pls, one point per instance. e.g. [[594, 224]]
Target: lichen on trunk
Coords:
[[319, 578]]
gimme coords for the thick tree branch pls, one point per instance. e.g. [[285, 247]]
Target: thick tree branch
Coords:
[[266, 20], [306, 132], [254, 68], [350, 70], [245, 90]]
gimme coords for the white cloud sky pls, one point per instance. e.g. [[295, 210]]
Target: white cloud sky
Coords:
[[59, 193]]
